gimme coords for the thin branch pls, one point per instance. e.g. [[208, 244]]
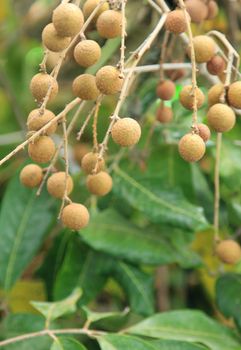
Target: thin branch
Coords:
[[86, 122], [123, 36], [163, 53], [217, 187], [94, 126]]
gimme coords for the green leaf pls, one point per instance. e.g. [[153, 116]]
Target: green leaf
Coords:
[[64, 343], [93, 317], [176, 345], [186, 325]]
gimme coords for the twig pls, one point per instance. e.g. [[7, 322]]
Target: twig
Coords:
[[123, 36], [94, 126], [155, 6], [86, 122], [217, 187], [163, 53], [156, 67]]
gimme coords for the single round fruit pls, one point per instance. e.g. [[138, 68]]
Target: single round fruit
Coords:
[[108, 80], [228, 251], [56, 184], [204, 48], [234, 94], [40, 84], [204, 132], [84, 86], [187, 99], [215, 93], [197, 10], [42, 149], [80, 150], [99, 184], [36, 121], [52, 40], [126, 132], [165, 90], [87, 53], [31, 175], [191, 147], [216, 65], [89, 161], [90, 5], [68, 19], [164, 114], [212, 9], [176, 22], [221, 117], [109, 24], [75, 216]]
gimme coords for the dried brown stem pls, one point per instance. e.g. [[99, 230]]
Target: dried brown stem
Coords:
[[94, 126], [163, 53]]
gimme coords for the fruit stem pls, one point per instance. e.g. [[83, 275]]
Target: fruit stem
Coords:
[[217, 187]]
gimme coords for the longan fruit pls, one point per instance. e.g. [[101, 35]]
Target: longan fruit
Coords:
[[40, 85], [197, 10], [126, 132], [68, 20], [90, 5], [87, 53], [164, 114], [108, 80], [36, 121], [109, 24], [234, 94], [75, 216], [42, 149], [204, 48], [191, 147], [187, 99], [204, 131], [175, 74], [228, 251], [216, 65], [89, 162], [56, 184], [99, 184], [215, 93], [80, 150], [221, 117], [165, 90], [31, 175], [52, 40], [84, 86], [212, 9], [176, 22]]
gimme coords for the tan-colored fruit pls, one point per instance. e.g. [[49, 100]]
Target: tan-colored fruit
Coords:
[[52, 59], [126, 132], [40, 85], [204, 47], [215, 93], [234, 94], [36, 121], [204, 131], [212, 9], [164, 114], [84, 86], [89, 161], [109, 24], [99, 184], [165, 90], [187, 99], [221, 117], [68, 19], [75, 216], [52, 40], [56, 184], [216, 65], [108, 80], [197, 10], [175, 74], [31, 175], [228, 251], [42, 149], [90, 5], [191, 147], [80, 150], [87, 53], [175, 22]]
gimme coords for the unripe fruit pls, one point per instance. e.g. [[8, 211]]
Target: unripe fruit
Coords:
[[187, 99], [75, 216], [87, 53], [216, 65], [36, 121], [80, 150], [108, 80], [56, 184], [165, 90], [204, 132], [90, 5], [176, 22], [228, 251], [31, 175], [212, 9], [84, 86], [234, 94], [221, 117], [109, 24], [164, 114], [204, 48], [52, 40], [126, 132], [68, 19], [89, 162], [99, 184], [215, 93], [191, 147], [42, 150], [197, 10], [40, 85]]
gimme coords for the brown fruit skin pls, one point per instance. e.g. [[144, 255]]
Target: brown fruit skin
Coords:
[[80, 150], [191, 147], [99, 184], [75, 216], [212, 9], [84, 86], [234, 94], [204, 131], [228, 251], [40, 84], [68, 20], [221, 117], [87, 53], [56, 185], [52, 40], [215, 93], [126, 132], [164, 114], [89, 162], [175, 22], [109, 24], [108, 80], [42, 150], [216, 65], [197, 10], [165, 90], [31, 175], [186, 99], [89, 7], [36, 121], [204, 47]]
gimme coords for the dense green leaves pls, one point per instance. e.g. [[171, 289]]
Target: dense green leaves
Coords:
[[64, 343]]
